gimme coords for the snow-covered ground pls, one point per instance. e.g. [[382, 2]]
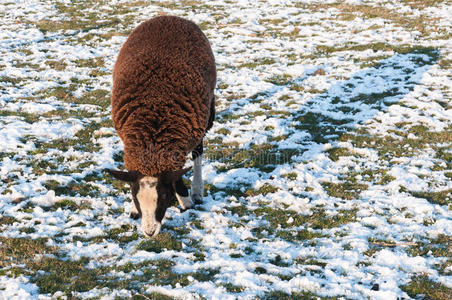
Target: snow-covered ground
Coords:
[[328, 170]]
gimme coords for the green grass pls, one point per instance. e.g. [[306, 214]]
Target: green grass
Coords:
[[77, 18], [263, 190], [394, 147], [415, 4], [290, 176], [153, 295], [280, 295], [163, 241], [66, 204], [433, 53], [441, 198], [280, 79], [10, 80], [65, 275], [7, 220], [264, 157], [259, 62], [336, 152], [21, 250], [231, 288], [57, 65], [422, 286], [122, 235], [321, 128], [92, 23], [345, 190], [319, 219], [440, 246], [73, 188], [298, 235], [55, 273], [83, 141], [98, 97]]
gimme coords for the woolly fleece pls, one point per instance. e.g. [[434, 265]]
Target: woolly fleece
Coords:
[[163, 94]]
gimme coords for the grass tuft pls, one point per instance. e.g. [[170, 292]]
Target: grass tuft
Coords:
[[160, 243], [345, 190], [422, 286]]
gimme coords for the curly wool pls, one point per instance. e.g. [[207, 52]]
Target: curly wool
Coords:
[[163, 94]]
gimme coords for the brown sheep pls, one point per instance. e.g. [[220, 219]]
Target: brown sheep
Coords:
[[162, 106]]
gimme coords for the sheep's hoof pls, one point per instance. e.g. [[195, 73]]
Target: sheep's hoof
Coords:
[[185, 202], [197, 199], [135, 215]]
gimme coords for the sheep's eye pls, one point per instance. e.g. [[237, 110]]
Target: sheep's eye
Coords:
[[147, 184]]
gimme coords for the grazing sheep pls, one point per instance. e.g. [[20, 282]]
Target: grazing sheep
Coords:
[[162, 105]]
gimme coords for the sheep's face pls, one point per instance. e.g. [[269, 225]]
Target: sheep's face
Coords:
[[151, 196]]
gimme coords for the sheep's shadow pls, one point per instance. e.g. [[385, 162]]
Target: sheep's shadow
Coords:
[[329, 115], [324, 118]]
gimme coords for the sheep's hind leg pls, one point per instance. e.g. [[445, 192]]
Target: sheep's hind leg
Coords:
[[197, 185], [182, 194]]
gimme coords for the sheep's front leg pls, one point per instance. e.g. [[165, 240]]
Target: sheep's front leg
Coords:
[[182, 194], [197, 185], [134, 213]]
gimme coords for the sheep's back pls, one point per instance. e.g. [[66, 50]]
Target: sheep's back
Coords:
[[163, 85]]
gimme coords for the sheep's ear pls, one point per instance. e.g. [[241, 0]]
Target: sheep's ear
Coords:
[[129, 176], [173, 176]]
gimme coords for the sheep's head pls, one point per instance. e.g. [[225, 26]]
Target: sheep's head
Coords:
[[151, 196]]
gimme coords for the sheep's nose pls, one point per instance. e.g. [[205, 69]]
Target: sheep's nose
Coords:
[[152, 230], [149, 233]]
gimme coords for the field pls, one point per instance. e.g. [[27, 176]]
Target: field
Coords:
[[328, 172]]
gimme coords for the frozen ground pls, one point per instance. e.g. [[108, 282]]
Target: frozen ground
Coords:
[[328, 170]]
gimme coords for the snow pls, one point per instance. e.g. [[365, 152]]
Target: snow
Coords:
[[415, 89], [13, 129], [17, 288]]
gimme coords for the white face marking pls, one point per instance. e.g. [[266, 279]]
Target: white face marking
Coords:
[[147, 197]]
